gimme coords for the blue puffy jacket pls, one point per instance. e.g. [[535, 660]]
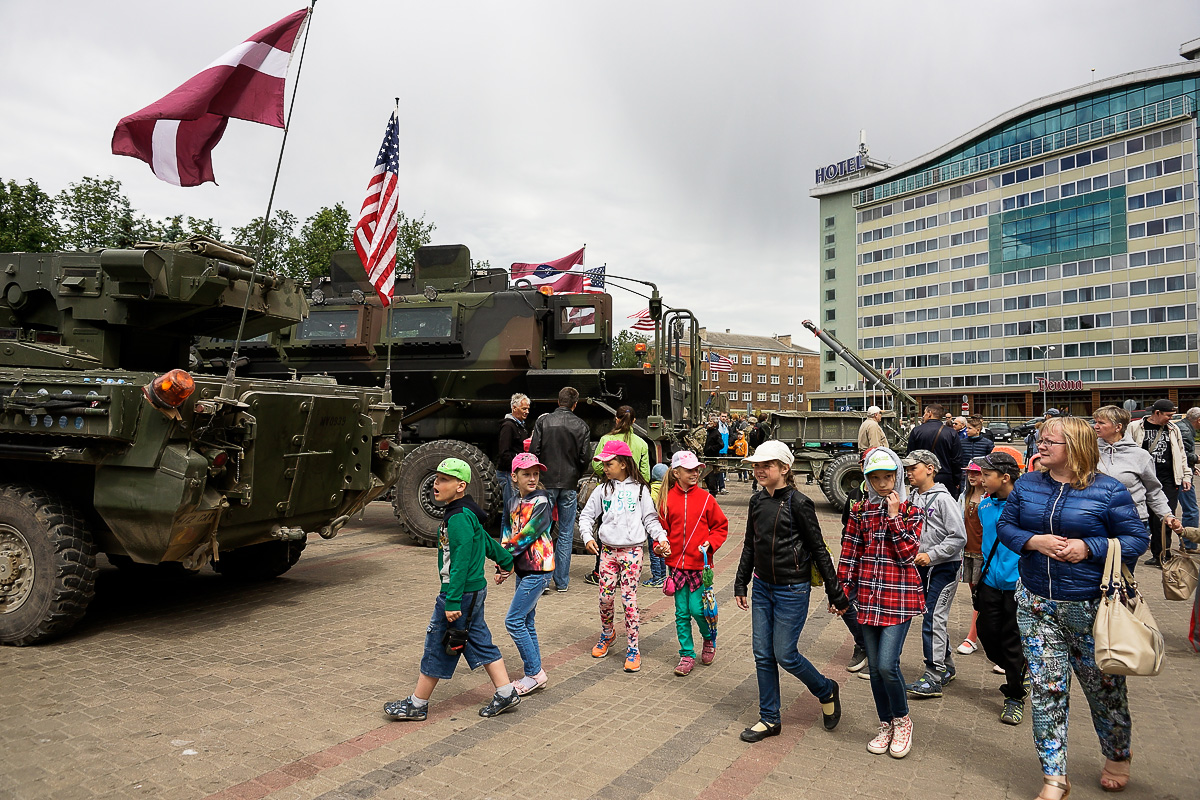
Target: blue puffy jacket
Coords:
[[1039, 504], [974, 447]]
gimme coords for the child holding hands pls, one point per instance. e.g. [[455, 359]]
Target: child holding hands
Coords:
[[626, 511], [694, 522]]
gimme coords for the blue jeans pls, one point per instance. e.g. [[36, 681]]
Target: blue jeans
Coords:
[[884, 644], [778, 615], [564, 500], [851, 620], [1189, 514], [504, 479], [658, 564], [519, 621]]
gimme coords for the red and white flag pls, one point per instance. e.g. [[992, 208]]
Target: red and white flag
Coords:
[[176, 135], [554, 273], [375, 233], [644, 323]]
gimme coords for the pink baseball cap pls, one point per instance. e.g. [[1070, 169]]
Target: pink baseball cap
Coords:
[[686, 459], [612, 449], [973, 467], [526, 461]]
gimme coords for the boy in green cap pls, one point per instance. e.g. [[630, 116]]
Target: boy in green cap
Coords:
[[462, 546]]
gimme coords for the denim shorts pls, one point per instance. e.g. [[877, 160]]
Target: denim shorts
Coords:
[[479, 651]]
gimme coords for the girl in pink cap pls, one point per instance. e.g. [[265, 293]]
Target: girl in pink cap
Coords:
[[626, 512], [529, 539]]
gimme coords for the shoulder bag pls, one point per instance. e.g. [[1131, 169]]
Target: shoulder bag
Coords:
[[1180, 570], [983, 574], [1127, 639]]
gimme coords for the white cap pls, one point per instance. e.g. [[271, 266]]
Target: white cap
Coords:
[[772, 450], [873, 410]]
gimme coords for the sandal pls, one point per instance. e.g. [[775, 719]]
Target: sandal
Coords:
[[1064, 785], [1111, 780]]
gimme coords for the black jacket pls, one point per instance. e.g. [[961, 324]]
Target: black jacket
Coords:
[[713, 443], [512, 441], [974, 447], [783, 538], [944, 442], [563, 442]]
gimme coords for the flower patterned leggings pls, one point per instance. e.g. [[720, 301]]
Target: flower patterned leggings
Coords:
[[620, 566], [1057, 637]]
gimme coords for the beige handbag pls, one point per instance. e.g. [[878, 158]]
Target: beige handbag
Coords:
[[1180, 571], [1127, 639]]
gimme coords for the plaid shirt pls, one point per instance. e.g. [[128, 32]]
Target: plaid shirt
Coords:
[[876, 567]]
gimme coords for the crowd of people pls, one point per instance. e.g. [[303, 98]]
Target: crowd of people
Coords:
[[1029, 540]]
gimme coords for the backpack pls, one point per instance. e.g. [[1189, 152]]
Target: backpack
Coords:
[[758, 434]]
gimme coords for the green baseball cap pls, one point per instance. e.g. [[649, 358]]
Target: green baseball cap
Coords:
[[455, 468]]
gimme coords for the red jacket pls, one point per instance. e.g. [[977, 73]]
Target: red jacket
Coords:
[[692, 518], [876, 566]]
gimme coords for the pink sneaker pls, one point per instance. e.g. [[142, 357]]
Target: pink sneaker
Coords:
[[708, 652], [901, 737], [879, 745], [685, 665]]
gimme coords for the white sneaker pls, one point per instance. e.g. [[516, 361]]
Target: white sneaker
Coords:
[[996, 668], [967, 647], [901, 737], [879, 745]]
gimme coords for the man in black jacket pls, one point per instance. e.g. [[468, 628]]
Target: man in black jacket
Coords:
[[563, 443], [943, 441], [512, 441], [712, 449]]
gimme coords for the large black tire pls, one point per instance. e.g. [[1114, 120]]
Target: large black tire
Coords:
[[839, 477], [47, 565], [419, 516], [259, 562]]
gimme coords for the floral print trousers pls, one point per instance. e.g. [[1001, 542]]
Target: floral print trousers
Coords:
[[1057, 638], [620, 566]]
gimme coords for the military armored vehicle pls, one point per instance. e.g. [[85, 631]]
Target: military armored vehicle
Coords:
[[108, 446], [460, 342]]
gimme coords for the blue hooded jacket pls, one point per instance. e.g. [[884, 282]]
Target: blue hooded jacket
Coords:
[[1038, 504]]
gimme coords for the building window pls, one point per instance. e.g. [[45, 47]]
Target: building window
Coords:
[[830, 274], [791, 380], [746, 377], [733, 377], [733, 396], [830, 294], [791, 361], [799, 380], [762, 378], [830, 376], [745, 359], [704, 375], [799, 362], [830, 252], [829, 222], [774, 361], [1056, 232], [761, 397], [775, 397], [762, 361], [830, 355], [830, 314], [746, 396], [791, 398], [775, 380], [829, 238]]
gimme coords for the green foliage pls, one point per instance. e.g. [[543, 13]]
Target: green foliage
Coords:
[[95, 213], [624, 356], [411, 233], [276, 250], [323, 233], [27, 219]]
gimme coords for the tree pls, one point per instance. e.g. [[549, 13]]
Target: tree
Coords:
[[94, 213], [410, 234], [323, 233], [280, 250], [27, 219], [624, 355]]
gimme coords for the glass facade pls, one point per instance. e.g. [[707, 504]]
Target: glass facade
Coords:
[[1084, 226]]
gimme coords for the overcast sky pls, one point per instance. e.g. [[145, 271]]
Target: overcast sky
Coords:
[[678, 140]]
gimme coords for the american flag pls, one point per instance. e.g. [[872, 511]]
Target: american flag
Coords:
[[375, 233], [593, 282], [719, 363], [644, 323]]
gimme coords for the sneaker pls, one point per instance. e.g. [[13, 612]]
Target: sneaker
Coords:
[[1013, 711], [901, 737], [759, 731], [858, 660], [530, 683], [601, 648], [925, 687], [967, 647], [546, 591], [708, 652], [684, 667], [406, 710], [500, 704], [592, 578], [655, 583], [879, 745], [865, 672], [633, 661], [947, 676], [1026, 682], [1152, 562], [996, 668]]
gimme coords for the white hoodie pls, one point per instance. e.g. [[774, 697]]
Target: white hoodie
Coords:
[[626, 512]]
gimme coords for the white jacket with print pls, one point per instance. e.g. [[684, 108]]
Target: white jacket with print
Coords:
[[626, 513]]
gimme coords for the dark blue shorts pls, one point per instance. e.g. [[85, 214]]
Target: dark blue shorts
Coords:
[[479, 650]]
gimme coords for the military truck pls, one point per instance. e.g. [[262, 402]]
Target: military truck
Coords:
[[460, 342], [108, 446]]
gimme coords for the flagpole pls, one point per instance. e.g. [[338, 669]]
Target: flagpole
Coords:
[[227, 388]]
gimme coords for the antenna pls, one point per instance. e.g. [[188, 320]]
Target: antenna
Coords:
[[862, 143]]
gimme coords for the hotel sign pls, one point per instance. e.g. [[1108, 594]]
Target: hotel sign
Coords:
[[1059, 386], [840, 169]]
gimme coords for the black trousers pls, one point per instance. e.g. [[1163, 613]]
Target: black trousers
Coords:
[[1001, 640], [1156, 540]]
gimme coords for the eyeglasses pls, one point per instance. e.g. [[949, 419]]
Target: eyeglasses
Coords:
[[1050, 442]]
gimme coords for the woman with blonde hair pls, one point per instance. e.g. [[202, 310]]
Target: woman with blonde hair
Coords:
[[1133, 466], [1060, 520]]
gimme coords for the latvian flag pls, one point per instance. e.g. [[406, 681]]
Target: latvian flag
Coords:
[[177, 134], [556, 274]]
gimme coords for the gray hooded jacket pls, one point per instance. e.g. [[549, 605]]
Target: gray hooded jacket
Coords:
[[944, 534], [1134, 467]]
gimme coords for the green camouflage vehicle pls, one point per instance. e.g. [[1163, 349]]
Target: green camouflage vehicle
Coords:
[[101, 452], [462, 341]]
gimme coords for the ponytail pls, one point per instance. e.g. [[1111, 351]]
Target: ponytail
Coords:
[[624, 422]]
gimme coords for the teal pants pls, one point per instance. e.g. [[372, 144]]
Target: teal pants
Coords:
[[688, 606]]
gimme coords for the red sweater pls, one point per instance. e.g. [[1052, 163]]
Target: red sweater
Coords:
[[692, 518]]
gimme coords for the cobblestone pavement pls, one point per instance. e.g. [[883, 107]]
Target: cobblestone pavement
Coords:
[[189, 688]]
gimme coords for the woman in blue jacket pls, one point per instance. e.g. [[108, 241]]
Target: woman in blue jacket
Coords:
[[1060, 520]]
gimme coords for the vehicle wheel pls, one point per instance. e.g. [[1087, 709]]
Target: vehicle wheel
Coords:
[[839, 477], [414, 506], [586, 487], [259, 562], [47, 565]]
